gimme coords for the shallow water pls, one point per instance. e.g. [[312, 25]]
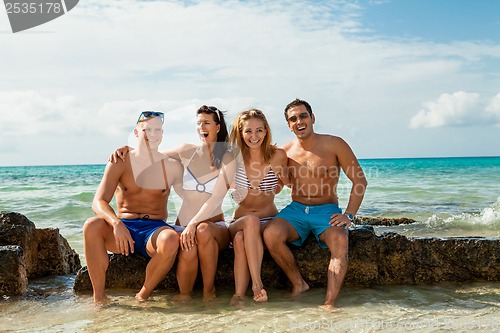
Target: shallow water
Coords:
[[53, 307]]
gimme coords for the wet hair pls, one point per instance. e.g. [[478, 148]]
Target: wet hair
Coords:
[[222, 136], [237, 132], [297, 102]]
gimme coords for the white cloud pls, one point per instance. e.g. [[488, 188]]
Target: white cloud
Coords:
[[493, 108], [459, 108], [29, 113], [92, 70]]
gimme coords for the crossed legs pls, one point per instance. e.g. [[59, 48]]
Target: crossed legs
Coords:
[[248, 252]]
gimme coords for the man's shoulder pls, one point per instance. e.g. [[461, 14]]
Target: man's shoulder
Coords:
[[289, 145], [279, 153], [327, 137], [119, 163]]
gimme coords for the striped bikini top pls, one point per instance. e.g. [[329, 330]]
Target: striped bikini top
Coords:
[[268, 183]]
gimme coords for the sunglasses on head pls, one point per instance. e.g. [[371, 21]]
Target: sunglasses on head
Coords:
[[151, 114], [214, 110]]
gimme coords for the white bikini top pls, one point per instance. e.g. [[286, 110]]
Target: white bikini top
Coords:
[[191, 183]]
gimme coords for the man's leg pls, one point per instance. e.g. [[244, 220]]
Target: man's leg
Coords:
[[162, 247], [98, 238], [276, 234], [211, 239], [336, 238]]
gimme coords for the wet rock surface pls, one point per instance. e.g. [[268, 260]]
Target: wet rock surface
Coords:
[[27, 252], [373, 260]]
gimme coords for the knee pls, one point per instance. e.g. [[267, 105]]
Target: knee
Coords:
[[203, 233], [252, 224], [238, 241], [273, 235], [339, 236], [92, 226], [167, 242]]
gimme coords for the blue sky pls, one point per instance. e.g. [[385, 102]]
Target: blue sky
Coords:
[[393, 78]]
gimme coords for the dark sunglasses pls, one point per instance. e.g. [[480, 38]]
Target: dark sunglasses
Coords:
[[303, 115], [151, 114]]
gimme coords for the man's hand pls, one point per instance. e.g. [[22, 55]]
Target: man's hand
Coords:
[[340, 220], [124, 242], [188, 237], [120, 153]]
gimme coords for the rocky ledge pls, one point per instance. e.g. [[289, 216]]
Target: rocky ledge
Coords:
[[386, 259], [27, 252]]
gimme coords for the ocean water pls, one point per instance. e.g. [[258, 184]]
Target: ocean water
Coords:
[[446, 196]]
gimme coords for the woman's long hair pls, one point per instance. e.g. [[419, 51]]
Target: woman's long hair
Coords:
[[236, 134]]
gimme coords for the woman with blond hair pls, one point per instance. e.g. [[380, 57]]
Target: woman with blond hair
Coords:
[[258, 174]]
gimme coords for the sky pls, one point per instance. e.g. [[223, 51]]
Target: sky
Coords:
[[393, 78]]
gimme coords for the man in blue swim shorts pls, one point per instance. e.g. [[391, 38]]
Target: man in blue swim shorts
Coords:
[[141, 184], [314, 165]]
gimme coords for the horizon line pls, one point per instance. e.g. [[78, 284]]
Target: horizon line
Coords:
[[359, 159]]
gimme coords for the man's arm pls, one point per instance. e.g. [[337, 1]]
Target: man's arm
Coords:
[[102, 208], [350, 165]]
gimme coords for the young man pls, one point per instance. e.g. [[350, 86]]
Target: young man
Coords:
[[314, 162], [142, 185]]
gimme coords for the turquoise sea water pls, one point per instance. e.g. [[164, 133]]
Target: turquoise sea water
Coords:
[[446, 196]]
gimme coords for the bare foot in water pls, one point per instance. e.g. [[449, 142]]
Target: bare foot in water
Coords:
[[102, 303], [297, 290], [140, 299], [329, 308], [261, 296], [237, 300], [209, 296], [182, 298]]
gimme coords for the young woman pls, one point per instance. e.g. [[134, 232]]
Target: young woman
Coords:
[[258, 174], [201, 241]]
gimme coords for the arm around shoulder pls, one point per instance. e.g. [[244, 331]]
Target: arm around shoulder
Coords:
[[178, 151]]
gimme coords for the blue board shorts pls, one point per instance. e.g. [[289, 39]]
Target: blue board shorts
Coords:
[[141, 230], [306, 219]]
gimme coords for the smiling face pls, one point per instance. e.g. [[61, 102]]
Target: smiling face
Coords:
[[207, 128], [150, 131], [253, 132], [300, 121]]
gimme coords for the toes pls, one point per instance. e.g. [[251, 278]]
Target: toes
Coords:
[[262, 297]]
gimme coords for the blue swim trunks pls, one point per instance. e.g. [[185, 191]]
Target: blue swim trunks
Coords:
[[306, 219], [141, 230]]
